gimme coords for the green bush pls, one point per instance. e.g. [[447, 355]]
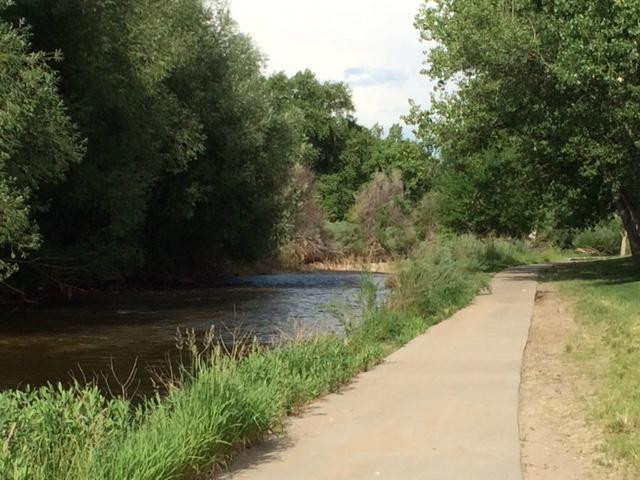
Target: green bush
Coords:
[[426, 215], [446, 273], [603, 239], [348, 236], [441, 275], [303, 224]]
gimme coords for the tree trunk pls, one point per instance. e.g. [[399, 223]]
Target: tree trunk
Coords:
[[631, 220], [624, 244]]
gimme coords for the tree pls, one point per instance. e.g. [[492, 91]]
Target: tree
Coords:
[[229, 200], [478, 193], [559, 80], [326, 116], [360, 158], [414, 161], [118, 57], [38, 142], [188, 151]]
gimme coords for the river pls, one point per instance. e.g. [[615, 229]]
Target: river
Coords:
[[106, 335]]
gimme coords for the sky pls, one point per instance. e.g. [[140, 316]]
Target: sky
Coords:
[[370, 44]]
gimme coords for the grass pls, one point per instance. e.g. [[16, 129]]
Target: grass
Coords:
[[221, 401], [607, 295]]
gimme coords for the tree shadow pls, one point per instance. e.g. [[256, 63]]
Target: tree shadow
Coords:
[[525, 273], [603, 272]]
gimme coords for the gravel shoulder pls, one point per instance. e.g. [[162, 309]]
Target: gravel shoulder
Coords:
[[559, 441]]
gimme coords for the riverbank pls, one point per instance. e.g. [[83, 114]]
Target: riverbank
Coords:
[[353, 265], [223, 401], [444, 406], [108, 336]]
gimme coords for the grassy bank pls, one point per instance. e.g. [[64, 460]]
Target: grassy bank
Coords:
[[607, 295], [225, 401]]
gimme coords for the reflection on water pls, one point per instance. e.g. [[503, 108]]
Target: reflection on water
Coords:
[[48, 345]]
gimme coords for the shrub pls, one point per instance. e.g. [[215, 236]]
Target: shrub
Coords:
[[603, 239], [446, 273], [426, 215], [381, 211], [304, 221], [442, 274], [348, 237]]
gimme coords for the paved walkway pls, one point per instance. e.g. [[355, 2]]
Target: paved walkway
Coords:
[[445, 407]]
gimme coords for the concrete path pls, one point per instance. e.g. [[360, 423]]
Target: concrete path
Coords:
[[445, 407]]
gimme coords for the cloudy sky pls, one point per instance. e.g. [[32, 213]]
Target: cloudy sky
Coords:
[[370, 44]]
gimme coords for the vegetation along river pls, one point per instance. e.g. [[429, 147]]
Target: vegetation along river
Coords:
[[111, 333]]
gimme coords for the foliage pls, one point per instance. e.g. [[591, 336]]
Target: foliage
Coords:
[[229, 201], [603, 239], [187, 150], [483, 194], [348, 237], [449, 271], [326, 113], [381, 211], [427, 215], [37, 142], [368, 151], [307, 237], [414, 162], [49, 432], [341, 152], [359, 159], [558, 81]]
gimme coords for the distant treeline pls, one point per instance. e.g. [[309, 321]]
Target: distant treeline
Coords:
[[142, 139], [536, 114]]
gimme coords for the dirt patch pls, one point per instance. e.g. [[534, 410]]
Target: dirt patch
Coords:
[[559, 442]]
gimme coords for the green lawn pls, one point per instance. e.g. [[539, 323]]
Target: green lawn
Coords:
[[607, 309]]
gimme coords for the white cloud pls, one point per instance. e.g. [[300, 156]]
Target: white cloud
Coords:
[[370, 44]]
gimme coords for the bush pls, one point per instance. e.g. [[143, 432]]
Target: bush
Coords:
[[603, 239], [381, 211], [304, 221], [426, 215], [348, 237], [446, 273], [441, 275]]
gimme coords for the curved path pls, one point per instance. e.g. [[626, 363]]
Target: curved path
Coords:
[[445, 407]]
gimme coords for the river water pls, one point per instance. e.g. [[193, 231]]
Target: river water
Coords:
[[109, 334]]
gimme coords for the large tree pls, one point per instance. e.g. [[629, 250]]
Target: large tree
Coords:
[[117, 59], [38, 142], [187, 150], [560, 81], [326, 116]]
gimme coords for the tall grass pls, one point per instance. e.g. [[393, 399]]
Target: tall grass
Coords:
[[444, 274], [220, 402]]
